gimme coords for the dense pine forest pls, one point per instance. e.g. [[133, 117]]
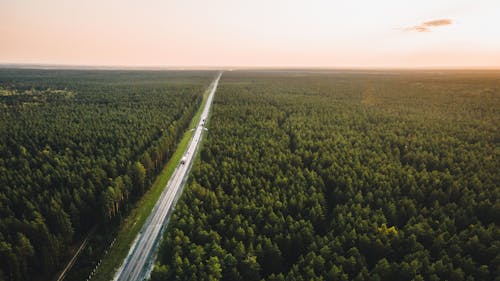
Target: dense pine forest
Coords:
[[343, 176], [77, 148]]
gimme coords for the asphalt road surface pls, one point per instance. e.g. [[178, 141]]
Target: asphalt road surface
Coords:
[[138, 264]]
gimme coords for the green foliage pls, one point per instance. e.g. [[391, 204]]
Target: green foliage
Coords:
[[78, 148], [343, 176]]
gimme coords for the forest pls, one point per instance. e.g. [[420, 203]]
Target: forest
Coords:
[[343, 175], [77, 149]]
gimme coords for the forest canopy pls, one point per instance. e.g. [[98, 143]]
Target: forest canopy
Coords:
[[78, 148], [343, 176]]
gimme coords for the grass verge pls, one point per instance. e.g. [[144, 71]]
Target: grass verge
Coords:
[[134, 222]]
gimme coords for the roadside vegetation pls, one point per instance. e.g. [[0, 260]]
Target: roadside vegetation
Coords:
[[78, 149], [133, 223], [343, 176]]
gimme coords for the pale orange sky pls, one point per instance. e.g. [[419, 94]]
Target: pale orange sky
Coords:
[[282, 33]]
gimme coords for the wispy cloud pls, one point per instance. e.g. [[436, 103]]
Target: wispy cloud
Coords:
[[428, 25], [439, 22], [417, 28]]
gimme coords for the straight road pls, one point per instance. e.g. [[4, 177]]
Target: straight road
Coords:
[[138, 263]]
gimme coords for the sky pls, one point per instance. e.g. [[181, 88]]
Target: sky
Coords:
[[257, 33]]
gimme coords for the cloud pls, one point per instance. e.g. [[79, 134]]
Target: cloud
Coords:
[[439, 22], [428, 25], [418, 28]]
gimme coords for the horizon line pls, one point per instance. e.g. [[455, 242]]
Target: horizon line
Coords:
[[56, 66]]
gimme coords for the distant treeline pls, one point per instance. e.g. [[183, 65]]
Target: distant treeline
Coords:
[[77, 148], [344, 176]]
